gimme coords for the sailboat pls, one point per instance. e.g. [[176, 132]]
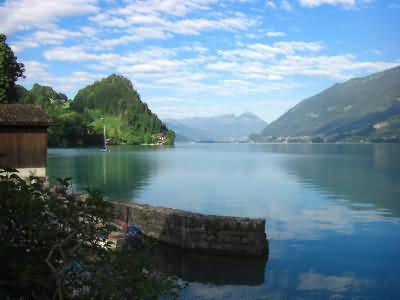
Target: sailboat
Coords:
[[104, 147]]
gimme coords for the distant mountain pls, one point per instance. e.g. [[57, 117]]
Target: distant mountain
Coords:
[[361, 109], [223, 128]]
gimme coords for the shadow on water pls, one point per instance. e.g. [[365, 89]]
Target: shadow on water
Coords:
[[206, 268]]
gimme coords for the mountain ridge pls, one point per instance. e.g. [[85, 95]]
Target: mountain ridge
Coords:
[[220, 128], [344, 112]]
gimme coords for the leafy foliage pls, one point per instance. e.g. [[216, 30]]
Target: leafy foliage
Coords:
[[43, 95], [110, 102], [115, 99], [70, 128], [10, 71], [54, 249]]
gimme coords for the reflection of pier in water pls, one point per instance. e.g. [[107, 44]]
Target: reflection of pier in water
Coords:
[[215, 269]]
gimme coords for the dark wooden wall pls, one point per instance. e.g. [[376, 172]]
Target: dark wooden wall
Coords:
[[23, 147]]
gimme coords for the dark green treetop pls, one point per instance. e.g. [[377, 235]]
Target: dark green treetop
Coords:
[[10, 71], [40, 94]]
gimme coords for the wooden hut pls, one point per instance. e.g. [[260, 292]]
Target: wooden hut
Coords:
[[23, 138]]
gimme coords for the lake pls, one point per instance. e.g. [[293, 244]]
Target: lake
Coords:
[[332, 212]]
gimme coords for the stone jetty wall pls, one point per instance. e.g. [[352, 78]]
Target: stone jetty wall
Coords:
[[228, 235]]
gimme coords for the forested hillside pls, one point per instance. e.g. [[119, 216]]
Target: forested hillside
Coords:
[[127, 118], [111, 102], [361, 109]]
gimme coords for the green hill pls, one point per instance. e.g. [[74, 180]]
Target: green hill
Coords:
[[112, 102], [127, 118], [361, 109], [39, 94], [69, 128]]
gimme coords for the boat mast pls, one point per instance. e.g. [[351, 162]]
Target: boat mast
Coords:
[[104, 131], [105, 145]]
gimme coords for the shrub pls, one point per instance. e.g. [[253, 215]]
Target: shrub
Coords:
[[51, 248]]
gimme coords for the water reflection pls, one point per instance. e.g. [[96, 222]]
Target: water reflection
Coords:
[[120, 174], [332, 212], [285, 285], [365, 176], [337, 285], [211, 269]]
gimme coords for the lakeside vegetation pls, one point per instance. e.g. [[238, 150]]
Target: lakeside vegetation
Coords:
[[111, 102], [55, 244], [55, 248]]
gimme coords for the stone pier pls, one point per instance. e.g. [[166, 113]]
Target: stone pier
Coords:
[[208, 233]]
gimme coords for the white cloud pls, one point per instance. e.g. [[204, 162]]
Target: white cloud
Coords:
[[181, 79], [159, 20], [53, 36], [74, 53], [136, 34], [246, 53], [260, 51], [146, 20], [275, 34], [77, 53], [295, 46], [89, 31], [184, 27], [285, 5], [164, 100], [170, 7], [25, 14], [283, 60], [20, 45], [195, 26], [37, 72], [314, 3], [35, 69], [270, 4], [334, 67], [70, 83], [200, 49], [155, 66], [224, 66]]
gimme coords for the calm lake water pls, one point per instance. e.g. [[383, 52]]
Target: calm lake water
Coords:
[[332, 212]]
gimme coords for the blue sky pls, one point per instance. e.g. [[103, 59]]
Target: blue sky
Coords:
[[204, 57]]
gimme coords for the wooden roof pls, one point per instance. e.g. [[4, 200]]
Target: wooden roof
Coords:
[[23, 114]]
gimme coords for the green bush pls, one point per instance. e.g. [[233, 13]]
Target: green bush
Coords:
[[51, 248]]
